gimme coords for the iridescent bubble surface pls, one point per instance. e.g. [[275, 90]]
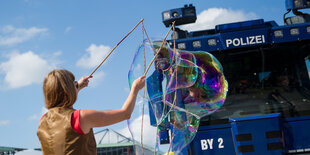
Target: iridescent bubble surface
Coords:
[[181, 87]]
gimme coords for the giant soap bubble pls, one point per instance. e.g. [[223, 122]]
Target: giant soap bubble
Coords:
[[181, 87]]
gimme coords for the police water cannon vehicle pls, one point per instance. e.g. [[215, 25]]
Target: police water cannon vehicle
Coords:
[[267, 66]]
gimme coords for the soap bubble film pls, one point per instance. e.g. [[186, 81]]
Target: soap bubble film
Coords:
[[181, 87]]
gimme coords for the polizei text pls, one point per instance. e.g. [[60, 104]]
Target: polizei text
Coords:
[[250, 40]]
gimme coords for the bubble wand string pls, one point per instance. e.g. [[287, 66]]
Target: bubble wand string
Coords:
[[159, 49], [115, 47], [144, 66], [175, 94], [148, 38]]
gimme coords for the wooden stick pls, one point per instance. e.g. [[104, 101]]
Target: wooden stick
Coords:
[[114, 48], [159, 49]]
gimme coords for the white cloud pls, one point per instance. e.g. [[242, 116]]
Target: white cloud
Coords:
[[58, 53], [24, 69], [68, 29], [4, 122], [29, 152], [10, 35], [207, 19], [94, 56], [36, 117], [126, 89], [149, 132]]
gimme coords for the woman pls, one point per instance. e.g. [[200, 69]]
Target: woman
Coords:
[[64, 130]]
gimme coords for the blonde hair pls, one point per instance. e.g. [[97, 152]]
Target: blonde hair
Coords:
[[59, 89]]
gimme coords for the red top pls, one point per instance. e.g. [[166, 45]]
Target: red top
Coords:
[[75, 122]]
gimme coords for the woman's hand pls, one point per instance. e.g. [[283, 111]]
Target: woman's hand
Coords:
[[83, 82], [138, 83]]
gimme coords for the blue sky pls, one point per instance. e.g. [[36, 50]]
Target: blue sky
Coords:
[[38, 36]]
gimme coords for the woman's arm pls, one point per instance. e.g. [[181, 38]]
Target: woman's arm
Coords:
[[95, 118]]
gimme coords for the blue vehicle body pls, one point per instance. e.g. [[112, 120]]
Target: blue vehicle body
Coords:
[[267, 66]]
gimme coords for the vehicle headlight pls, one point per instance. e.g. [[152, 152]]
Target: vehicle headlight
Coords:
[[212, 42], [308, 29], [175, 14], [196, 44], [294, 31], [166, 15], [181, 46], [298, 3], [278, 33]]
